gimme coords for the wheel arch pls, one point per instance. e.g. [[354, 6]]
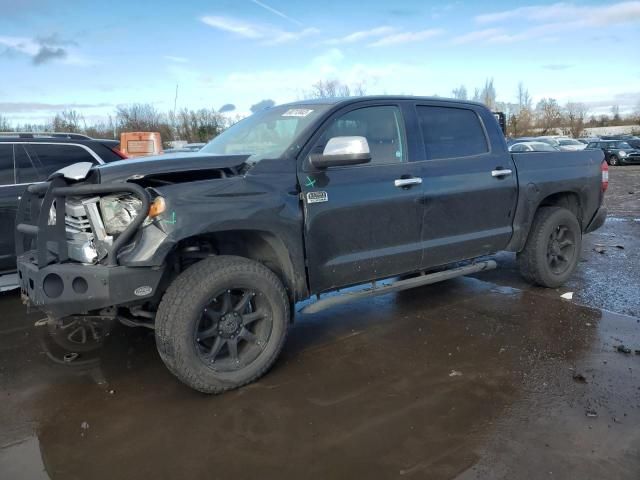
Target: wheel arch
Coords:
[[566, 199], [259, 245]]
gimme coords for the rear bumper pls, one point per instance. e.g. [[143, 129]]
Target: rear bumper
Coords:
[[63, 289], [597, 221]]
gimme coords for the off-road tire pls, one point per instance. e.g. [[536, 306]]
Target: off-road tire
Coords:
[[532, 260], [183, 304]]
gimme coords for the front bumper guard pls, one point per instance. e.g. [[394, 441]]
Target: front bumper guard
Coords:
[[63, 289], [34, 222]]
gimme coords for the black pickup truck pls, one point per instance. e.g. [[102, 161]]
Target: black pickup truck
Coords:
[[212, 250]]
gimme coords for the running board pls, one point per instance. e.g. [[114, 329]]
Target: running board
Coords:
[[399, 285]]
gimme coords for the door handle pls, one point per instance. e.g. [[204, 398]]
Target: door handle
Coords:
[[407, 182], [501, 173]]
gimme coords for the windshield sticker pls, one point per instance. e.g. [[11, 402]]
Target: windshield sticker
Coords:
[[297, 112], [317, 197]]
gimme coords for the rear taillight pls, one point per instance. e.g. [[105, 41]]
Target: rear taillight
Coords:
[[604, 169], [119, 153]]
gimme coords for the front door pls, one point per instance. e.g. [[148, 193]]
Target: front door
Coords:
[[359, 224]]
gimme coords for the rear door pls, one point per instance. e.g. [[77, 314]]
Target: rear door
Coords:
[[359, 225], [9, 193], [470, 189]]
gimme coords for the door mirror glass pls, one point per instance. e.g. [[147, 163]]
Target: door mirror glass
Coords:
[[340, 151]]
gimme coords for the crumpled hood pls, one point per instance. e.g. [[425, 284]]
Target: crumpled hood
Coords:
[[123, 170]]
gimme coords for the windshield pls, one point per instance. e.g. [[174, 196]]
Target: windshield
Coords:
[[569, 141], [622, 145], [266, 134]]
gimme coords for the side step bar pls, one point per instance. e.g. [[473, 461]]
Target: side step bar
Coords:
[[399, 285]]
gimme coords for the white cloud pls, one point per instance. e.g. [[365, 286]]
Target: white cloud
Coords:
[[548, 23], [407, 37], [232, 25], [174, 59], [24, 45], [284, 37], [268, 35], [361, 35], [478, 35], [621, 12]]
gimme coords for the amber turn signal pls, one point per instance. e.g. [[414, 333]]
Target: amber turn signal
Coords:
[[157, 207]]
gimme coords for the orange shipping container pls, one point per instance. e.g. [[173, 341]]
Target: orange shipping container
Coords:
[[140, 144]]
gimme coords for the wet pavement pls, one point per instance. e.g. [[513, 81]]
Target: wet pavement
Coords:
[[482, 377]]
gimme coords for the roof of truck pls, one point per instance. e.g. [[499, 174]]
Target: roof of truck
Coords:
[[338, 100]]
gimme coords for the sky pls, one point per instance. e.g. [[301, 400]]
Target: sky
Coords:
[[93, 56]]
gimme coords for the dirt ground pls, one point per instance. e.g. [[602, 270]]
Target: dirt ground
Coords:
[[475, 378]]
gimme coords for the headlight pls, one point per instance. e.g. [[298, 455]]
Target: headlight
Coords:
[[622, 153], [118, 211]]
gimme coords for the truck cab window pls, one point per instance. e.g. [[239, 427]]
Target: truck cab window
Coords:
[[451, 132], [7, 174], [381, 126]]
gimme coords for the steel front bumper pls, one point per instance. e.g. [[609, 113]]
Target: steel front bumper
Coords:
[[63, 289]]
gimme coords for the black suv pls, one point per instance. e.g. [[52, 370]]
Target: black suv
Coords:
[[617, 152], [27, 158]]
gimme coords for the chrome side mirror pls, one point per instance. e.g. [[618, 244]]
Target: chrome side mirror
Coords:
[[341, 151]]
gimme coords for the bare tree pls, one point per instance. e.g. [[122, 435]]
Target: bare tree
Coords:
[[488, 94], [615, 114], [5, 126], [138, 116], [198, 125], [521, 119], [359, 89], [67, 121], [524, 99], [460, 93], [575, 115], [549, 115], [335, 88], [142, 117], [324, 89]]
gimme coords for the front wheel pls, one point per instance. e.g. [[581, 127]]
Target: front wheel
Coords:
[[553, 247], [222, 323], [613, 161]]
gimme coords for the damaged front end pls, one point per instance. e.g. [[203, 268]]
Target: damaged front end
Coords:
[[68, 237], [93, 223]]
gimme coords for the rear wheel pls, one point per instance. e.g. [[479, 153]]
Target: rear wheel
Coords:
[[222, 323], [553, 247]]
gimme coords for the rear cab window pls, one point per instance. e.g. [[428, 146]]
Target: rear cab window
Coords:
[[451, 132], [36, 161]]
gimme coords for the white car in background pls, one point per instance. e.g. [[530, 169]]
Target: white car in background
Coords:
[[532, 147], [570, 145]]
